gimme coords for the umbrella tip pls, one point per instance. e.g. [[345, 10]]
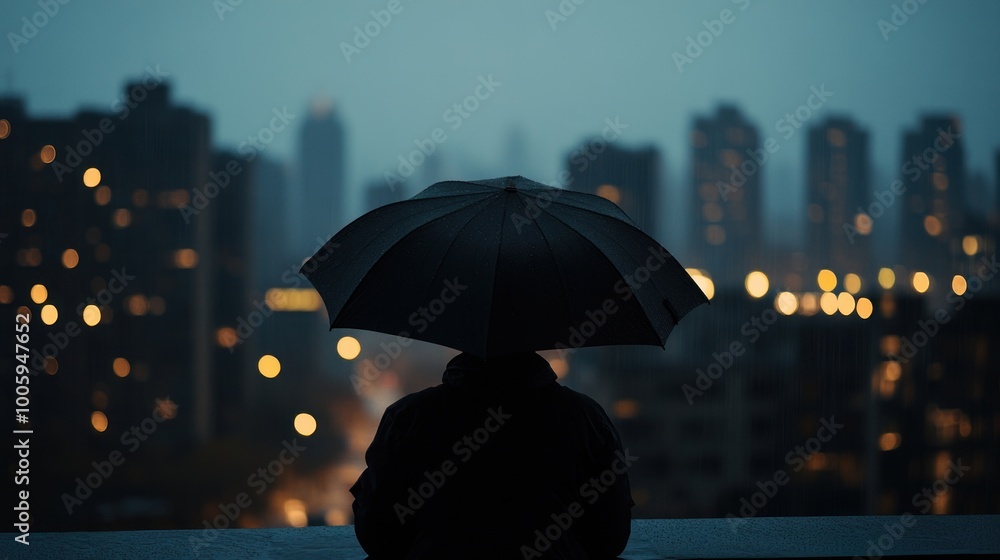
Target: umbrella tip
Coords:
[[511, 184]]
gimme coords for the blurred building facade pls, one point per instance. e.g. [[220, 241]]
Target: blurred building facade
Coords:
[[726, 167], [934, 177], [838, 185], [321, 194], [631, 178]]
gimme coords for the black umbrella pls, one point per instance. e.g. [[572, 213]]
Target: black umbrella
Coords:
[[503, 265]]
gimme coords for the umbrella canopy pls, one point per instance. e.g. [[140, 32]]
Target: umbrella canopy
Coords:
[[505, 265]]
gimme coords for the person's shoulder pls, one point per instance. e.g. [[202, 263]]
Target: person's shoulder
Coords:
[[408, 404]]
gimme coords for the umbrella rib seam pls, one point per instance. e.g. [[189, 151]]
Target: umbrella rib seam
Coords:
[[382, 256], [610, 262]]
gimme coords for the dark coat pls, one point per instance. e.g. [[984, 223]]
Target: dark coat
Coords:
[[499, 461]]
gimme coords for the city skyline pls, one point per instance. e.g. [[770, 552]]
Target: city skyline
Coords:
[[656, 97]]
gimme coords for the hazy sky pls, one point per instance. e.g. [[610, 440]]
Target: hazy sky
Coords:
[[607, 59]]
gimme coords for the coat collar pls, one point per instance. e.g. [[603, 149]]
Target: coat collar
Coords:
[[521, 370]]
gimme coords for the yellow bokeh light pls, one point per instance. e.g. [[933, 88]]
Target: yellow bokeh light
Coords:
[[852, 283], [932, 226], [28, 217], [809, 304], [92, 177], [91, 315], [121, 367], [137, 304], [609, 192], [102, 196], [70, 258], [49, 314], [959, 285], [828, 303], [348, 347], [295, 513], [892, 370], [559, 366], [185, 258], [39, 293], [845, 303], [121, 218], [970, 245], [6, 294], [269, 366], [4, 129], [625, 408], [921, 282], [51, 365], [865, 308], [757, 284], [305, 424], [786, 303], [886, 278], [863, 223], [293, 299], [703, 280], [99, 421], [889, 441], [48, 153], [827, 280], [226, 337]]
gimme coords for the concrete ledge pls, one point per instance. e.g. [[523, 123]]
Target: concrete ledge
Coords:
[[652, 539]]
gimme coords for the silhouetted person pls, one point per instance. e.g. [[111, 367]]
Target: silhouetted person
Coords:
[[499, 461]]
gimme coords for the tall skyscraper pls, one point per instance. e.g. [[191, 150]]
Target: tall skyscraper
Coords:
[[726, 213], [629, 178], [838, 183], [321, 177], [933, 173]]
